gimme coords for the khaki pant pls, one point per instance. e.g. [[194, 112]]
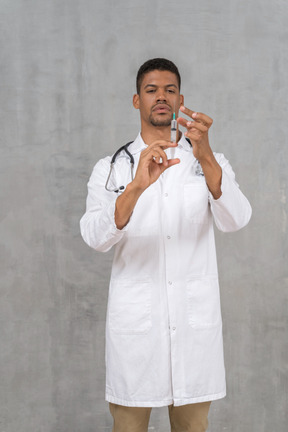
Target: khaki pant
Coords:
[[186, 418]]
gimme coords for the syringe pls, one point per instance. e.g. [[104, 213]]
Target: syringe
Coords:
[[173, 129]]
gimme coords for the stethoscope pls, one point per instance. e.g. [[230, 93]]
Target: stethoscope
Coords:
[[113, 160], [124, 148]]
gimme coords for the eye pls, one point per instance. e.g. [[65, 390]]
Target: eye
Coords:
[[150, 91], [171, 91]]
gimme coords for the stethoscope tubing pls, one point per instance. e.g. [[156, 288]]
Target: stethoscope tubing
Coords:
[[113, 161]]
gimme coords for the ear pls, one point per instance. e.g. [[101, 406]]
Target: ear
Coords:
[[181, 99], [136, 101]]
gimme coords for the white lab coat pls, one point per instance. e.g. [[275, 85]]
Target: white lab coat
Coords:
[[164, 328]]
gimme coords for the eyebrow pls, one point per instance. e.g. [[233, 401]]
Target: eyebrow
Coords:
[[155, 86]]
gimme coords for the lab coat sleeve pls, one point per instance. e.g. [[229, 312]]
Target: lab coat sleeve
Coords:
[[232, 210], [97, 225]]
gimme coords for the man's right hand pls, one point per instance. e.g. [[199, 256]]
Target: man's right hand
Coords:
[[152, 163]]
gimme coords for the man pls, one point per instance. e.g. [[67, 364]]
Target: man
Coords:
[[164, 329]]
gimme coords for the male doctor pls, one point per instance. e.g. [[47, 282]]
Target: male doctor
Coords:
[[164, 330]]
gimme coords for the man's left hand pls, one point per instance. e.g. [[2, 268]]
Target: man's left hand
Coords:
[[197, 132]]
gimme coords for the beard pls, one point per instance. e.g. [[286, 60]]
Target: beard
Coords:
[[159, 121]]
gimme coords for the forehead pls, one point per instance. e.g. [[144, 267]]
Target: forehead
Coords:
[[159, 78]]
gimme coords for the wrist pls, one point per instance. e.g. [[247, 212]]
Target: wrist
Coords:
[[207, 159], [134, 189], [125, 204]]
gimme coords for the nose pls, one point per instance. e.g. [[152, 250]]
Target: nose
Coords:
[[161, 97]]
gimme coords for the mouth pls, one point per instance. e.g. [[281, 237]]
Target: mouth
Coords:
[[161, 109]]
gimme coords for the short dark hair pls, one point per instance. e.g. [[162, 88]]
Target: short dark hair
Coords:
[[161, 64]]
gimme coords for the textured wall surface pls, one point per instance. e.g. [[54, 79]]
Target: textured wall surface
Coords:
[[67, 79]]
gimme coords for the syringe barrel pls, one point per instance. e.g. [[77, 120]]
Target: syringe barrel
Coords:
[[173, 130]]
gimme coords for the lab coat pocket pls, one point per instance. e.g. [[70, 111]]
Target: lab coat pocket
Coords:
[[203, 302], [196, 201], [129, 309]]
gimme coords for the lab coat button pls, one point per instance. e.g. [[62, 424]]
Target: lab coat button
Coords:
[[173, 328], [170, 283], [166, 194], [168, 237]]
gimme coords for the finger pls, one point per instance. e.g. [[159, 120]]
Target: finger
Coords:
[[199, 117], [157, 154], [202, 118], [192, 136], [173, 162], [157, 159], [170, 163], [182, 121], [162, 144], [193, 125], [187, 111]]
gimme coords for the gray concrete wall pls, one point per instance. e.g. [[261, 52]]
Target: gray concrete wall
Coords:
[[67, 79]]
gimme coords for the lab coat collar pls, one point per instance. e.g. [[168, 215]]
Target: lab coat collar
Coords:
[[138, 145], [184, 144]]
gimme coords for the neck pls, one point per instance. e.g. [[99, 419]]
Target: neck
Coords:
[[150, 135]]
